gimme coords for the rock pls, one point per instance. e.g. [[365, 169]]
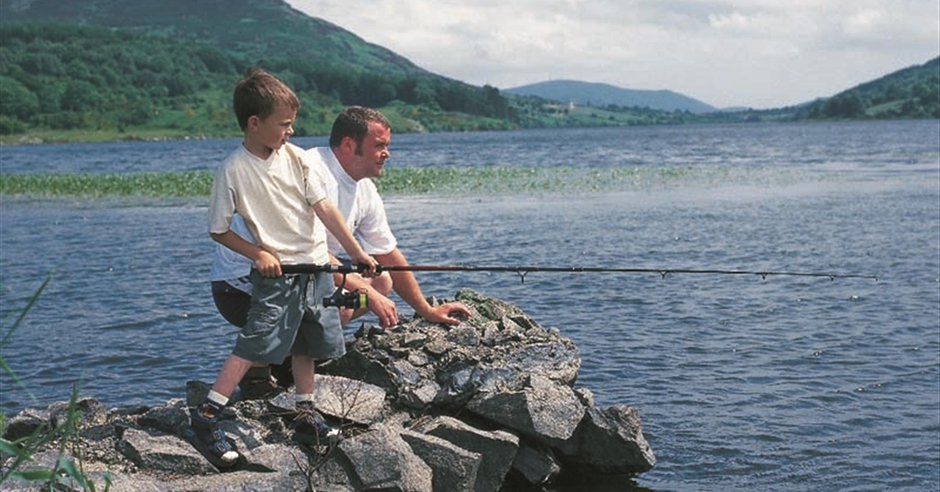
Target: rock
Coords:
[[163, 453], [381, 460], [168, 418], [537, 466], [454, 468], [522, 423], [349, 399], [610, 442], [86, 411], [25, 423], [498, 448], [541, 411]]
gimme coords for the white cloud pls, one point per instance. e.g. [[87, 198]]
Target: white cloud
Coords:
[[761, 53]]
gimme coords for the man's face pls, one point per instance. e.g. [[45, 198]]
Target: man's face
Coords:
[[369, 158]]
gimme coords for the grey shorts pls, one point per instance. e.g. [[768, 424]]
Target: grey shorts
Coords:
[[287, 317]]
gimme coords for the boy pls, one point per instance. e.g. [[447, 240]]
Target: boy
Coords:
[[280, 198], [357, 152]]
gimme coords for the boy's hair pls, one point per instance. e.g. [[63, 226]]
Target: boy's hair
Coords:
[[354, 122], [259, 93]]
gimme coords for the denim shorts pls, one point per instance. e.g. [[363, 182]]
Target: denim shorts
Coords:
[[287, 317]]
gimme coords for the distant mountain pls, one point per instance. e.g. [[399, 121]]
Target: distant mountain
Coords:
[[602, 95]]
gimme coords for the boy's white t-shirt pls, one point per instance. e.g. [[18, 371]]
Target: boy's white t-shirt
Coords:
[[275, 197], [358, 202]]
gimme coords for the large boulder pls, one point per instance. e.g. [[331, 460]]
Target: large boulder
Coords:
[[422, 364]]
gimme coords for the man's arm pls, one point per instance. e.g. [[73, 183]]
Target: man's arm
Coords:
[[333, 220], [406, 286], [378, 303]]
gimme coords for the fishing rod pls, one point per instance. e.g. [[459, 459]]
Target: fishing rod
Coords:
[[525, 270], [349, 299]]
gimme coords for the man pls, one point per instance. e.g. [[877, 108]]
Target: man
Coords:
[[358, 148]]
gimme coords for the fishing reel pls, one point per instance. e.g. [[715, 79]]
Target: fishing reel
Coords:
[[348, 300]]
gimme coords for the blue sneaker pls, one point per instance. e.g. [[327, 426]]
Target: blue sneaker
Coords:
[[206, 436], [310, 428]]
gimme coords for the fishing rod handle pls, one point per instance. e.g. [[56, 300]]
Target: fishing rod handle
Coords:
[[311, 268]]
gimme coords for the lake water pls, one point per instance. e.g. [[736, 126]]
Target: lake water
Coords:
[[742, 383]]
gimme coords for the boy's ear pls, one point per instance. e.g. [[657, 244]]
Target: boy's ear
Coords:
[[253, 122]]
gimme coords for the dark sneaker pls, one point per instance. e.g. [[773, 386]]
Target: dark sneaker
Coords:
[[206, 436], [309, 428], [259, 388]]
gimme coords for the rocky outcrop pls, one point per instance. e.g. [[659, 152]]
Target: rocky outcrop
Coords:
[[487, 405]]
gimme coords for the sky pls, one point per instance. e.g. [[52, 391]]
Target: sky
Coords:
[[735, 53]]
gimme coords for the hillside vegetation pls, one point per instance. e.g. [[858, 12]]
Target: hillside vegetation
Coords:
[[913, 92], [128, 69]]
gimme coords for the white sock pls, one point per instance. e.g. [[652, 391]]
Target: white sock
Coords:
[[306, 397], [217, 398]]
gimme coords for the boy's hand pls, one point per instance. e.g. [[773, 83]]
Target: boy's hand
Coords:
[[366, 265], [268, 265]]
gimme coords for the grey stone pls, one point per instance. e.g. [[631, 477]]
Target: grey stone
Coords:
[[168, 418], [419, 398], [454, 468], [610, 442], [537, 466], [542, 411], [381, 460], [349, 399], [498, 448], [164, 453]]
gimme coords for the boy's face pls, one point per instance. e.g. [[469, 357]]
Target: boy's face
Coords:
[[368, 159], [269, 134]]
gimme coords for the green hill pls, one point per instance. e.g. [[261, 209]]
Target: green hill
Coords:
[[257, 29], [105, 69], [912, 92]]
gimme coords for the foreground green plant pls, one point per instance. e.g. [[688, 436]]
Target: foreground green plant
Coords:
[[67, 472]]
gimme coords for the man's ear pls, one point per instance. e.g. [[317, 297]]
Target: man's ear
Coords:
[[349, 145]]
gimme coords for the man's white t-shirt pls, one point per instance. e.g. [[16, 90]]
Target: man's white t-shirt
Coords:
[[358, 202]]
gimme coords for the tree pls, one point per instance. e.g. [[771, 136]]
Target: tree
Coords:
[[847, 105], [16, 100]]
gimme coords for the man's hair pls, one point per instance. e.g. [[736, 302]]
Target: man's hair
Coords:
[[354, 122], [259, 93]]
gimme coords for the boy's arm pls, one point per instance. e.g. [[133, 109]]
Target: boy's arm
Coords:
[[266, 263], [333, 220]]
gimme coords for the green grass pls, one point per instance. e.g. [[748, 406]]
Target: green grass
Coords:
[[156, 185], [401, 181], [461, 180]]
